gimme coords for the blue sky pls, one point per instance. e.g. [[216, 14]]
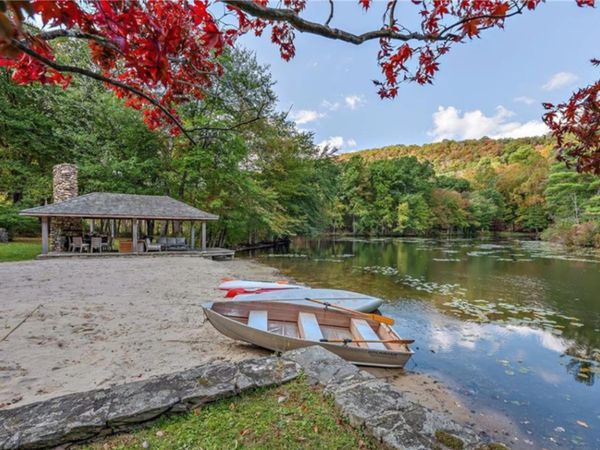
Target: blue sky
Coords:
[[491, 86]]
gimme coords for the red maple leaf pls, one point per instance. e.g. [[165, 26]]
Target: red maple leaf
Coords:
[[365, 3], [500, 9], [471, 27]]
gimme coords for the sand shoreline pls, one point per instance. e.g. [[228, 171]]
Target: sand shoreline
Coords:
[[108, 321], [104, 321]]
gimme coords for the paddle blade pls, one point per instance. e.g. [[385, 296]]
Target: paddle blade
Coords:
[[382, 319], [375, 317]]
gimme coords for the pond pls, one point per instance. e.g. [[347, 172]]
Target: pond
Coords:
[[512, 324]]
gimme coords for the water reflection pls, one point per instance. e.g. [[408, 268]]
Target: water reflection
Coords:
[[513, 324]]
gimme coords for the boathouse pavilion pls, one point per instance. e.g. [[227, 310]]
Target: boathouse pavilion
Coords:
[[72, 221]]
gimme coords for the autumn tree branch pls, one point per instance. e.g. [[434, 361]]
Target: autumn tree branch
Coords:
[[289, 16], [58, 33], [307, 26], [99, 77], [519, 10]]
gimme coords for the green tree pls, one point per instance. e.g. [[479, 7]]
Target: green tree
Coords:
[[567, 193], [486, 208], [534, 218], [263, 177], [449, 210], [592, 208], [419, 214]]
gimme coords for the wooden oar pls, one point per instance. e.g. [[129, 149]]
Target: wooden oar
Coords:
[[375, 317], [337, 299], [356, 341]]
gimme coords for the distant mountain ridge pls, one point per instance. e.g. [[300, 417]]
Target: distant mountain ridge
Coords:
[[457, 157]]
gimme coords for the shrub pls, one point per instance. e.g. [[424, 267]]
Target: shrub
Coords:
[[586, 234], [583, 235], [558, 232], [15, 224]]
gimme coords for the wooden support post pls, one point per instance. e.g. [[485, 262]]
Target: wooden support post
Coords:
[[203, 236], [134, 236], [193, 239], [91, 226], [44, 235], [112, 228]]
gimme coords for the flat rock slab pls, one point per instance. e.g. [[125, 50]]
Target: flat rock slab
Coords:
[[365, 400], [85, 415], [379, 407]]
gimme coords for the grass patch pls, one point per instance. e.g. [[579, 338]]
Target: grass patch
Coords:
[[493, 446], [449, 440], [293, 416], [20, 249]]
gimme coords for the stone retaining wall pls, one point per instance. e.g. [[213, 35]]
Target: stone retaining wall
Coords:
[[367, 401], [86, 415]]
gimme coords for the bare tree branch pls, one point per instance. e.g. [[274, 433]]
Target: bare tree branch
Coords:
[[330, 13], [391, 10], [238, 125]]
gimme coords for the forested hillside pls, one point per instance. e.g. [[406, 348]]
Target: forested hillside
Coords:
[[458, 158], [467, 186]]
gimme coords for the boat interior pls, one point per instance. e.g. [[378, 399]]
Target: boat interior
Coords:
[[313, 324]]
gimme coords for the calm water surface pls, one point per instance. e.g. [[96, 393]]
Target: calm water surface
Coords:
[[512, 324]]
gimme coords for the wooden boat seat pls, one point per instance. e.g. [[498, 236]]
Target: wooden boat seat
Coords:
[[258, 320], [363, 331], [309, 327]]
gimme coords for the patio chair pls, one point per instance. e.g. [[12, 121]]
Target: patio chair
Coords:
[[96, 244], [78, 244], [107, 243], [150, 247]]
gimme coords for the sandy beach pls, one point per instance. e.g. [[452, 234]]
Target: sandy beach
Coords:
[[109, 320]]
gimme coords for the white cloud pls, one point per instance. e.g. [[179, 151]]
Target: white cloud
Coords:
[[350, 102], [442, 340], [331, 106], [545, 338], [337, 142], [560, 80], [354, 101], [305, 116], [524, 99], [450, 123]]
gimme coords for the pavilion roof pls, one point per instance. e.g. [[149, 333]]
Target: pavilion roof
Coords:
[[106, 205]]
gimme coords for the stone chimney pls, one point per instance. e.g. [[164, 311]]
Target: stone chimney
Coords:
[[64, 187], [64, 182]]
